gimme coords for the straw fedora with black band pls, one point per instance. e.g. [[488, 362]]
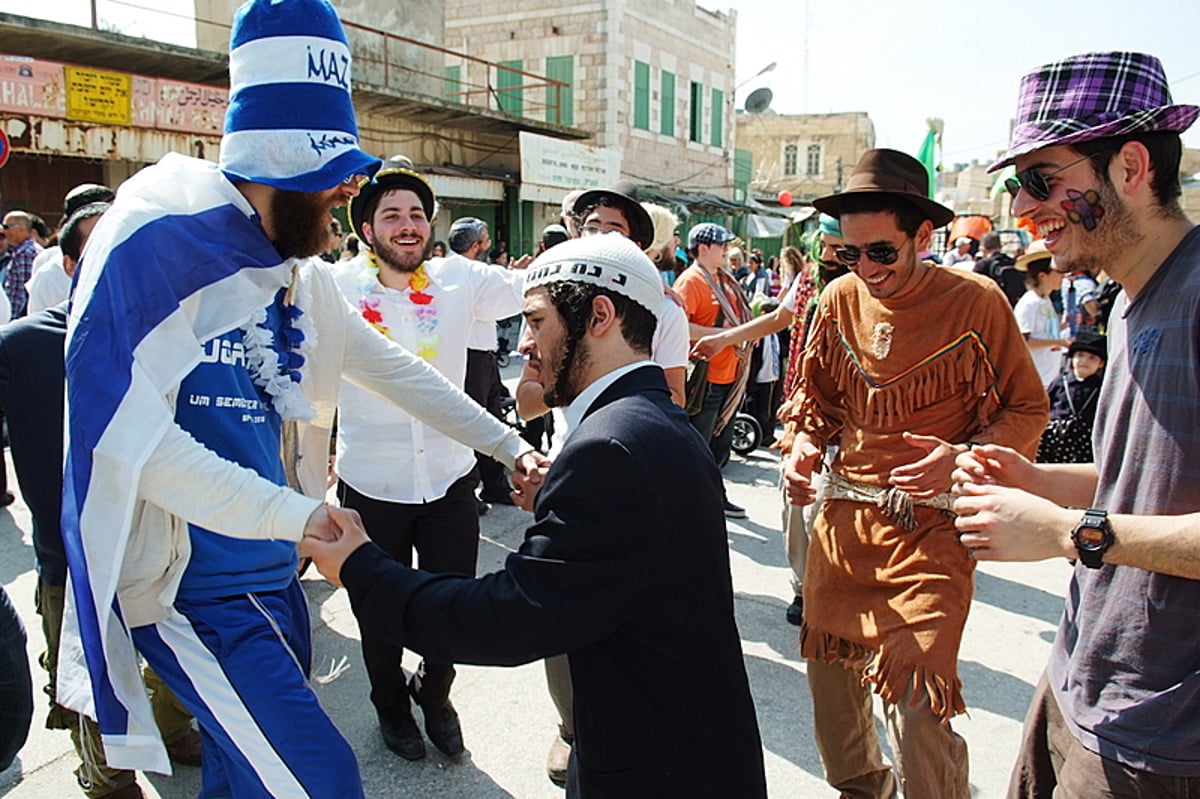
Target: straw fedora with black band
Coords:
[[1035, 252], [891, 173], [389, 180]]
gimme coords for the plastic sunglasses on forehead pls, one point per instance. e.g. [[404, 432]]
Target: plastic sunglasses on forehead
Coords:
[[882, 254], [1033, 180]]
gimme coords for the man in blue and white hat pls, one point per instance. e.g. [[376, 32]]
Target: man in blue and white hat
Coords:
[[192, 361]]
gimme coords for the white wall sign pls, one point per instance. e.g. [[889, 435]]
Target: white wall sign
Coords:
[[552, 167]]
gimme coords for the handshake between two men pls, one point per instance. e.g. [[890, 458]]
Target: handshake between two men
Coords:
[[332, 534]]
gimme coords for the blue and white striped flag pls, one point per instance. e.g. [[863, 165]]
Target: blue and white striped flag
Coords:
[[179, 259]]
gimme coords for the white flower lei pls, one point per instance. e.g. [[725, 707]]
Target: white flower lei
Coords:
[[262, 360]]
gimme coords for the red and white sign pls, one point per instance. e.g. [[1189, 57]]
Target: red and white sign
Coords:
[[5, 147], [38, 88]]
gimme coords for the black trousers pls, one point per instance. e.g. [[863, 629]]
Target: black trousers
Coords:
[[16, 683], [445, 535], [483, 385]]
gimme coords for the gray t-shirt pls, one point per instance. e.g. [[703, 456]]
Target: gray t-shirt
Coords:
[[1125, 666]]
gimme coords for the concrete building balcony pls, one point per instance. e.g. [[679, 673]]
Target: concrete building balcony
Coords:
[[393, 75]]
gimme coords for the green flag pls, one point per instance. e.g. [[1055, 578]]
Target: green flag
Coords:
[[928, 158], [998, 187]]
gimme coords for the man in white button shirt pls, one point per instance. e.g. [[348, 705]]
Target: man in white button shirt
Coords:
[[413, 486]]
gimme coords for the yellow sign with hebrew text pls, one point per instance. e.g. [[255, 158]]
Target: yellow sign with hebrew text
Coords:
[[102, 97]]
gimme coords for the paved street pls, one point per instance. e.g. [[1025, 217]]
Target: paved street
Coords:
[[508, 719]]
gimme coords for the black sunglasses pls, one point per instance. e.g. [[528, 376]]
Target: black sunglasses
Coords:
[[882, 254], [1034, 182]]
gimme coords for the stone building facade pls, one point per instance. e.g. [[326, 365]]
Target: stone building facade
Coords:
[[651, 79], [808, 155]]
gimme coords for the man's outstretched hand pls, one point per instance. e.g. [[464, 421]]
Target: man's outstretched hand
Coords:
[[527, 478]]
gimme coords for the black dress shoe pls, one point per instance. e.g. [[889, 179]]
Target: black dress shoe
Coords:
[[795, 611], [441, 722], [403, 737], [442, 727]]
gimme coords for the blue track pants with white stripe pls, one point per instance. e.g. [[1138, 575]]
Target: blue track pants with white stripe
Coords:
[[240, 664]]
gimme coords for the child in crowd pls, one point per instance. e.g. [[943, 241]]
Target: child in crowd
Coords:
[[1036, 317], [1073, 398]]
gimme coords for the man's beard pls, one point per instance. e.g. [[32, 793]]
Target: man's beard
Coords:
[[398, 261], [668, 263], [831, 270], [564, 385], [301, 221]]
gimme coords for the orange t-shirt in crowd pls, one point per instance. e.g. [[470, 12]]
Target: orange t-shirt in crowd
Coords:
[[702, 306]]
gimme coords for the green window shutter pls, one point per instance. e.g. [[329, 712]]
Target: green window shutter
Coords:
[[452, 84], [511, 101], [641, 95], [718, 111], [561, 68], [743, 172], [667, 112], [696, 118]]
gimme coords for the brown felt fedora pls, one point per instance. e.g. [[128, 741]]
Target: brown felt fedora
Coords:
[[893, 173]]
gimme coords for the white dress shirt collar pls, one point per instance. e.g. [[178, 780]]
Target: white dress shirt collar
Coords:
[[579, 406]]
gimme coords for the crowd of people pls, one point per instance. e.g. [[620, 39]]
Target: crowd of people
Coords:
[[928, 416]]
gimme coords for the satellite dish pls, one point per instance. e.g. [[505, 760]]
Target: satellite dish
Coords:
[[758, 101]]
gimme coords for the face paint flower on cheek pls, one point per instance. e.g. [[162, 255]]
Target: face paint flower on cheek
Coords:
[[1083, 207]]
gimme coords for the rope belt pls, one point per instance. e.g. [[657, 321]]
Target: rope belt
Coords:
[[894, 503]]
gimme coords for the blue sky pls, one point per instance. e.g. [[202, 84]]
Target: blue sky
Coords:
[[960, 61]]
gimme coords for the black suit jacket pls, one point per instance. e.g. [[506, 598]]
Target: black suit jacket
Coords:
[[626, 569], [31, 393]]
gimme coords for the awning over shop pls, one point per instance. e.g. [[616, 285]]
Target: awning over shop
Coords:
[[707, 204], [467, 188], [765, 227]]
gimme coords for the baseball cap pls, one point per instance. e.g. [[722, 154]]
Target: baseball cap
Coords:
[[709, 233]]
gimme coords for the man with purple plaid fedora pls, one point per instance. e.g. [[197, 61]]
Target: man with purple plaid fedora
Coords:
[[1097, 152]]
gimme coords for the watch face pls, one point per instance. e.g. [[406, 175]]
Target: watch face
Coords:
[[1089, 537]]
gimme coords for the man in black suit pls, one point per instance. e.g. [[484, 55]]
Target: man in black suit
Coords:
[[626, 566]]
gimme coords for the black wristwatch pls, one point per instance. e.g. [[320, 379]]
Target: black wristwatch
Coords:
[[1092, 537]]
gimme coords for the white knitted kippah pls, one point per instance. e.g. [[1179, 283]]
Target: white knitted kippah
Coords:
[[609, 260], [290, 122]]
